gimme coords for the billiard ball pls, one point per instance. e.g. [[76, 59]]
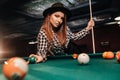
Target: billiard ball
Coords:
[[32, 60], [83, 58], [15, 68], [118, 56], [108, 55], [74, 55], [104, 54]]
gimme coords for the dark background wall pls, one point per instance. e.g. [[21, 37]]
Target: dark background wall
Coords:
[[106, 38]]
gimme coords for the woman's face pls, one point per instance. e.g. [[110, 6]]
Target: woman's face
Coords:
[[56, 18]]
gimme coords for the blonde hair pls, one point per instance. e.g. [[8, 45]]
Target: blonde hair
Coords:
[[48, 30]]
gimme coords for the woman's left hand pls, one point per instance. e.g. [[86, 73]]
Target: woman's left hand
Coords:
[[90, 25]]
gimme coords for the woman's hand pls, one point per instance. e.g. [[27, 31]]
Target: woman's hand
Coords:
[[38, 58], [90, 25]]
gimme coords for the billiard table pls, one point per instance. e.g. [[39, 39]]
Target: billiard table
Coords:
[[67, 68]]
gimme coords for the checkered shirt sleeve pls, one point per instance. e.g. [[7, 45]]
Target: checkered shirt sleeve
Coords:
[[78, 35], [42, 44]]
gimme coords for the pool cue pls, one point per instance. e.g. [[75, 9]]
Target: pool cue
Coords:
[[93, 41]]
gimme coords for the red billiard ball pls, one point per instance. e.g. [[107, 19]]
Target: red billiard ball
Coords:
[[83, 58], [15, 68], [118, 56]]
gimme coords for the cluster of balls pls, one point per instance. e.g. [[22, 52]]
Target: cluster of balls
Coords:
[[111, 55], [82, 58]]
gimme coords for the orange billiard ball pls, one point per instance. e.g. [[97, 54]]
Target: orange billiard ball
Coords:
[[118, 56], [74, 55], [108, 55], [15, 68], [104, 54]]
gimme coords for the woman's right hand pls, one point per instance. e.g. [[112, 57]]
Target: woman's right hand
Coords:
[[38, 58], [90, 25]]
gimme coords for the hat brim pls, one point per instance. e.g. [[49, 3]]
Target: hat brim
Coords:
[[54, 9]]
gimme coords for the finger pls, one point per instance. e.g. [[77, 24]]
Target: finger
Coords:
[[32, 55], [39, 58]]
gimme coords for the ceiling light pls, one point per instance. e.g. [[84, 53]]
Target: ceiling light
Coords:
[[118, 22], [32, 42], [117, 18], [110, 23]]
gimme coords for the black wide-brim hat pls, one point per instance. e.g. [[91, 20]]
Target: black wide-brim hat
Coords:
[[57, 7]]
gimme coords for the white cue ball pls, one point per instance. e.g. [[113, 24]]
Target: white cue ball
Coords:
[[83, 58]]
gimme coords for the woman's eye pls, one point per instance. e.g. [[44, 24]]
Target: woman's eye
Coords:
[[59, 17], [56, 15]]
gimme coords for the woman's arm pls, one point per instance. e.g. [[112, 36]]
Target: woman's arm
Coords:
[[42, 44], [82, 33], [41, 48]]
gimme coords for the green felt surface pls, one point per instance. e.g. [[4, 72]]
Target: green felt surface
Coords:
[[69, 69]]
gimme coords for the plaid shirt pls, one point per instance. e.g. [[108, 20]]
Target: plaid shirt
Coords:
[[43, 43]]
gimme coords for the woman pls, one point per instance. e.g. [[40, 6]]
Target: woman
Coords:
[[54, 35]]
